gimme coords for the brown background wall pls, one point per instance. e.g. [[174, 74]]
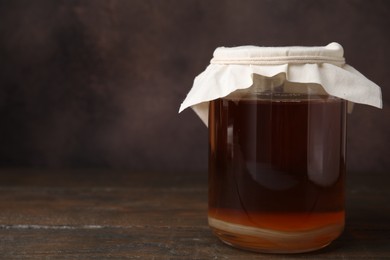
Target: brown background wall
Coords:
[[99, 83]]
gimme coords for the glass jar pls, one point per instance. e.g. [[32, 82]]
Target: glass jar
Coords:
[[277, 166]]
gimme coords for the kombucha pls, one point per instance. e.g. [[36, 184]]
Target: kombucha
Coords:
[[277, 172]]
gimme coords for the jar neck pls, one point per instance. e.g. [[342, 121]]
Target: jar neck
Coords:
[[279, 88]]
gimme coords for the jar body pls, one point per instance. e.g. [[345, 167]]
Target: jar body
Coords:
[[277, 169]]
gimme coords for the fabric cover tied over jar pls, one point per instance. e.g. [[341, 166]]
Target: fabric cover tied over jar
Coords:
[[235, 68]]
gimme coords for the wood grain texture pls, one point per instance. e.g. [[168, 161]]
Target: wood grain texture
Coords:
[[98, 214]]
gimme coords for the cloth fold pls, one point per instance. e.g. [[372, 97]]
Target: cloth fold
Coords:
[[233, 69]]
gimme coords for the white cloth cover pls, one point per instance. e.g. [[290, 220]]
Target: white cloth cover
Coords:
[[233, 68]]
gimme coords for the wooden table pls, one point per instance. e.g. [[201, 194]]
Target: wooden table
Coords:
[[100, 214]]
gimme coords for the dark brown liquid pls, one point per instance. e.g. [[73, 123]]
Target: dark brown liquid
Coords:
[[277, 165]]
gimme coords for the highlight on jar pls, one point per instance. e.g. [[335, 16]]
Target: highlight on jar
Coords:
[[277, 143]]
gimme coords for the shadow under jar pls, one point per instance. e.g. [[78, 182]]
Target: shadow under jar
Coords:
[[277, 168]]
